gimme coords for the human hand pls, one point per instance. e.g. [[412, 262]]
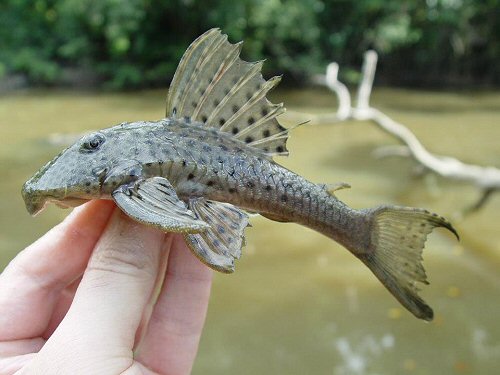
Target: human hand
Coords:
[[102, 294]]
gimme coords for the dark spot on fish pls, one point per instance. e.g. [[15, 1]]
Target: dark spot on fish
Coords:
[[264, 112], [207, 148], [190, 176], [194, 104], [190, 143], [235, 130], [279, 149], [87, 183], [248, 139], [284, 198], [250, 184], [187, 119], [88, 191], [216, 243], [223, 147], [249, 95], [266, 149], [251, 120], [210, 183], [221, 229], [202, 160], [266, 133], [269, 187], [184, 162], [149, 164], [216, 103], [204, 118], [235, 108], [235, 80], [174, 111], [232, 190], [226, 91], [222, 122]]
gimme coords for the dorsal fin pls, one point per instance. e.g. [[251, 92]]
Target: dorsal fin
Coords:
[[212, 85]]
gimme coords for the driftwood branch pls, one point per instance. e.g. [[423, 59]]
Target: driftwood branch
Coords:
[[487, 179]]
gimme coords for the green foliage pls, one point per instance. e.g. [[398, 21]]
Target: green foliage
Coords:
[[134, 43]]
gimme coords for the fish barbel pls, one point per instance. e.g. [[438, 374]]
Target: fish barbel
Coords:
[[200, 169]]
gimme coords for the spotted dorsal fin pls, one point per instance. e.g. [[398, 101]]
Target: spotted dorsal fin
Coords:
[[213, 86]]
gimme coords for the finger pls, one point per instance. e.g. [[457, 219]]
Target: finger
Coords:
[[20, 347], [30, 284], [11, 365], [175, 327], [160, 277], [107, 308], [61, 307]]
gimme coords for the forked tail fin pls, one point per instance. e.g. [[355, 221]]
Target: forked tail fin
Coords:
[[397, 238]]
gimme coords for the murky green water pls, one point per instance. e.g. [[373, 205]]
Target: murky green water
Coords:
[[299, 303]]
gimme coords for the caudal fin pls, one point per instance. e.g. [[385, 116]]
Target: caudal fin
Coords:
[[397, 238]]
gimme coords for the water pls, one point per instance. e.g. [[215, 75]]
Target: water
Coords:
[[298, 302]]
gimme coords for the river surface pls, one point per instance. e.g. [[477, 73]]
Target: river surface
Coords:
[[298, 302]]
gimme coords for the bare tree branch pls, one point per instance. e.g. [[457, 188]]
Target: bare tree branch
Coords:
[[485, 178]]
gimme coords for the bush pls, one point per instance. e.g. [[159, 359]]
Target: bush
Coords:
[[137, 43]]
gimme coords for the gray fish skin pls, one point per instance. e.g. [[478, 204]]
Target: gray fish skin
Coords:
[[198, 162], [194, 171]]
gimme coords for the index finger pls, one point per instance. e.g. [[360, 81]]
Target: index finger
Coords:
[[31, 283]]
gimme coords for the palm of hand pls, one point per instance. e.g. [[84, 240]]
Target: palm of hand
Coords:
[[102, 294]]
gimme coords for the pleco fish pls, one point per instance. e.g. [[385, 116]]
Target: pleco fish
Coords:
[[210, 159]]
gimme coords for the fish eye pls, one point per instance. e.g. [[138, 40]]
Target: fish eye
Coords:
[[92, 142]]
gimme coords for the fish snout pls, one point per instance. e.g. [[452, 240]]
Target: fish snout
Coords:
[[34, 200]]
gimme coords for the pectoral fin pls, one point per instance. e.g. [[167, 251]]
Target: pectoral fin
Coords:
[[153, 201], [221, 244]]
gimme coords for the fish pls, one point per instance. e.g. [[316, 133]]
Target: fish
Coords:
[[208, 164]]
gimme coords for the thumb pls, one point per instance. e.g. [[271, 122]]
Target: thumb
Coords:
[[102, 321]]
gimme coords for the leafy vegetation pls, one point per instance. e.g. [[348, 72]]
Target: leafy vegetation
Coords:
[[136, 43]]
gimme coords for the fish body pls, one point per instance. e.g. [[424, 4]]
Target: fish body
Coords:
[[211, 159]]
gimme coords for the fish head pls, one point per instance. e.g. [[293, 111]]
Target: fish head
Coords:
[[74, 176]]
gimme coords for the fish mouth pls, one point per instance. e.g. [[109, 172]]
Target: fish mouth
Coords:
[[70, 202], [35, 206], [36, 200]]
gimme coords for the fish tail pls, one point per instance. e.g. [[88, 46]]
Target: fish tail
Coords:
[[396, 239]]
